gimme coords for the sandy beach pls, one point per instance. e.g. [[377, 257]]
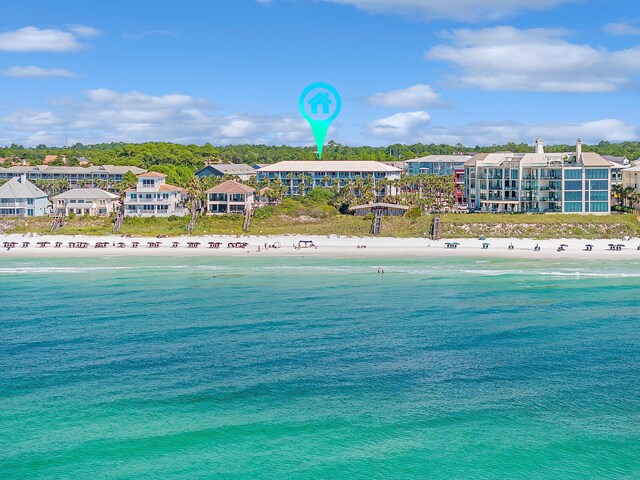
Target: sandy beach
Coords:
[[329, 246]]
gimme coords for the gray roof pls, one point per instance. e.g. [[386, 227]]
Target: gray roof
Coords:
[[86, 194], [18, 187], [231, 169], [614, 159], [97, 169]]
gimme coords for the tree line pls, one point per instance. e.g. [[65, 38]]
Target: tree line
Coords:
[[152, 154]]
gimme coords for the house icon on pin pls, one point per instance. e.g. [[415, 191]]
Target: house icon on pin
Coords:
[[321, 99]]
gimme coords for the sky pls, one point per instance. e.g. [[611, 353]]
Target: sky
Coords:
[[475, 72]]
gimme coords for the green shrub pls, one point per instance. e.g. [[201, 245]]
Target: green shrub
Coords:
[[369, 216], [320, 195], [72, 216], [264, 212], [173, 218], [415, 212], [323, 211]]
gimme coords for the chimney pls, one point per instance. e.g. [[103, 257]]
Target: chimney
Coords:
[[23, 178], [578, 149], [539, 146]]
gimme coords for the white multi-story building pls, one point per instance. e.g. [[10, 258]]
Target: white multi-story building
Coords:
[[76, 176], [86, 201], [575, 182], [319, 173], [153, 197]]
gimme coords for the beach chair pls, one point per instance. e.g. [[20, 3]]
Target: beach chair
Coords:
[[121, 245], [135, 244], [175, 244], [57, 245], [25, 244]]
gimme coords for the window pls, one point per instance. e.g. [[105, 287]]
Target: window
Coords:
[[147, 183], [572, 185], [573, 207], [573, 174], [573, 196], [599, 185], [599, 206], [599, 196], [600, 173], [29, 201]]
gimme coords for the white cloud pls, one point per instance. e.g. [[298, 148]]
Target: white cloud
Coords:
[[417, 96], [103, 115], [621, 28], [506, 58], [499, 133], [84, 30], [400, 126], [34, 39], [465, 10], [37, 72]]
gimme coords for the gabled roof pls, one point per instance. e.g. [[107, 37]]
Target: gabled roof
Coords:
[[20, 188], [152, 175], [321, 166], [171, 188], [86, 194], [231, 186], [229, 169]]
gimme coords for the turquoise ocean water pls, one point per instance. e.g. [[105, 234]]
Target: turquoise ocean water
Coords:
[[319, 368]]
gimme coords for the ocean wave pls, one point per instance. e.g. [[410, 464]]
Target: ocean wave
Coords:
[[572, 273]]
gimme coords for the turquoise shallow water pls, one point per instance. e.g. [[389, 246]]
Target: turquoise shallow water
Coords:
[[318, 368]]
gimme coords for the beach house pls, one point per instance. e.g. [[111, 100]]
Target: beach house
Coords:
[[300, 176], [240, 170], [631, 178], [21, 198], [230, 197], [153, 197], [86, 201], [574, 182]]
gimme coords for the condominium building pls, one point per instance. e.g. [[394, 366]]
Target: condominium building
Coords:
[[154, 197], [76, 176], [328, 173], [436, 164], [575, 182]]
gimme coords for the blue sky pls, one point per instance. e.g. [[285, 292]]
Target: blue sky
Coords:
[[230, 71]]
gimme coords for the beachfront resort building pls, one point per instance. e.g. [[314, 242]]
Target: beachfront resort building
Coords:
[[575, 182], [153, 197], [76, 176], [86, 201], [305, 175], [436, 164], [240, 170], [230, 197], [21, 198]]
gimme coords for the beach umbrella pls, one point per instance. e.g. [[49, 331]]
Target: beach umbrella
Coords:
[[564, 245]]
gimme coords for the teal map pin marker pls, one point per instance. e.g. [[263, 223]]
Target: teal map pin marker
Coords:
[[320, 104]]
